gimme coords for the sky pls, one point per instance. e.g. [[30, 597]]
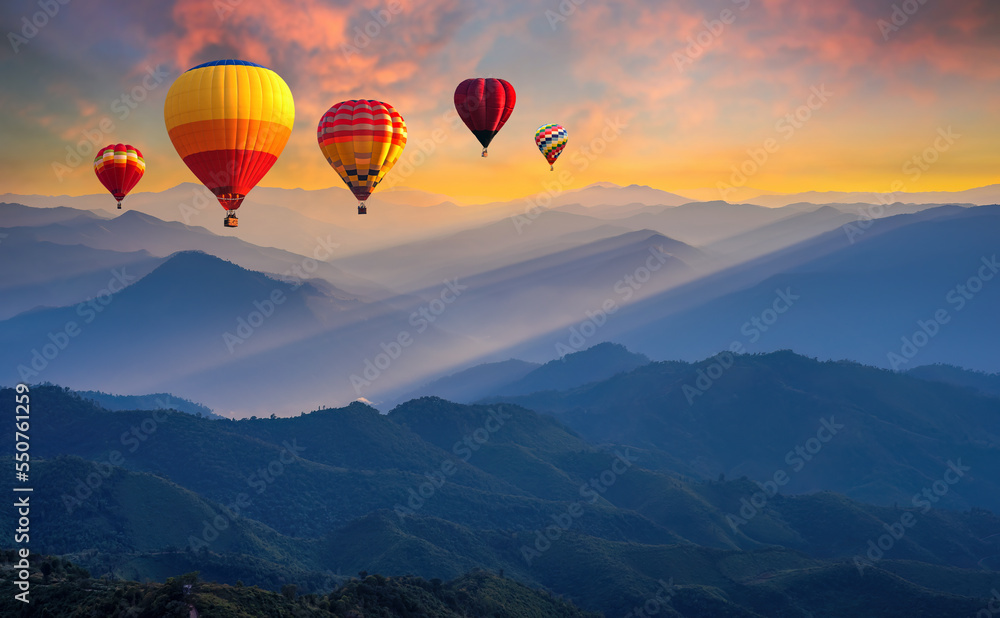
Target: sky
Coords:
[[679, 95]]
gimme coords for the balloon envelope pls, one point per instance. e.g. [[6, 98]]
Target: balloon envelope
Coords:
[[362, 140], [229, 121], [119, 167], [485, 104], [551, 140]]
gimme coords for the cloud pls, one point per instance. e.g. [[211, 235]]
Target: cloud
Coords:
[[603, 61]]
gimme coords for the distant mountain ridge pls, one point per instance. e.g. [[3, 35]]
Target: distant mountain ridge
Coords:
[[744, 415], [342, 501], [523, 293], [153, 401], [516, 377], [982, 382], [980, 196]]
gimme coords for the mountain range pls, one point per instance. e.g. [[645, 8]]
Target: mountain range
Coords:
[[671, 281], [437, 489]]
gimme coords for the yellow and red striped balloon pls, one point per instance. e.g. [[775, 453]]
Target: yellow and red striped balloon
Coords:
[[229, 121], [119, 167], [362, 140]]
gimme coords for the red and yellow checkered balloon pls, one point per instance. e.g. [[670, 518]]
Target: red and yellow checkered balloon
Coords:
[[362, 140]]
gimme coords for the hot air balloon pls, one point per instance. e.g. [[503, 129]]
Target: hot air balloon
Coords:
[[362, 140], [119, 167], [229, 121], [485, 104], [551, 139]]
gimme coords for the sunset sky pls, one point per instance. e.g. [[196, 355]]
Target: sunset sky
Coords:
[[686, 115]]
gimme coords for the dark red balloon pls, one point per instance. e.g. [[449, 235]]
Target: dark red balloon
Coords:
[[485, 104]]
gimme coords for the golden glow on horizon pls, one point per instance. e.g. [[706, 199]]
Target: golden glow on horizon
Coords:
[[684, 126]]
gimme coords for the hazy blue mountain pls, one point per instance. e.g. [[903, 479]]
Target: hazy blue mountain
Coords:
[[610, 194], [19, 215], [517, 377], [856, 301], [536, 308], [136, 231], [472, 251], [981, 196], [981, 382], [701, 223], [783, 233], [46, 274], [474, 383], [649, 324], [153, 401], [181, 320], [594, 364], [560, 291], [747, 415]]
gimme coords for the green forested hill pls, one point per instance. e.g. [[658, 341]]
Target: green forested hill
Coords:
[[67, 591], [436, 490], [741, 415]]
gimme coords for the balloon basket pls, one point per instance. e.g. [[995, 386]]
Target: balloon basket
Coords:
[[485, 154], [231, 221], [552, 168], [119, 204], [362, 209]]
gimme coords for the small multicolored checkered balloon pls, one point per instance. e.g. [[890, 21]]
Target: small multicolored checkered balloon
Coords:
[[551, 139], [119, 167]]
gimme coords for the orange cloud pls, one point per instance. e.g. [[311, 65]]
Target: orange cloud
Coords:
[[688, 120]]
